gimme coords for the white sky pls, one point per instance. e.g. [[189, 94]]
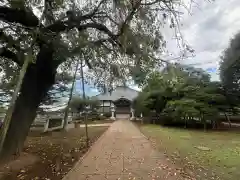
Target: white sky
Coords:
[[208, 31]]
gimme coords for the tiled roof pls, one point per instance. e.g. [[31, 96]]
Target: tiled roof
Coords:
[[117, 93]]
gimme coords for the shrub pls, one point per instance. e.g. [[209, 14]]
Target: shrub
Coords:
[[107, 114], [102, 117], [93, 116]]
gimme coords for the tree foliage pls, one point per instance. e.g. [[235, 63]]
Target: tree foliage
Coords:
[[123, 37], [230, 70], [55, 94], [79, 104], [183, 93], [105, 34]]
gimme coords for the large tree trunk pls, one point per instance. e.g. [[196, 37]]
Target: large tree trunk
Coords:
[[11, 106], [38, 79]]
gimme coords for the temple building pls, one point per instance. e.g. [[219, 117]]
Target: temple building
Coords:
[[119, 102]]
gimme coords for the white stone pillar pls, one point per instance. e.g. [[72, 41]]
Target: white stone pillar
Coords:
[[133, 116], [112, 110], [45, 129]]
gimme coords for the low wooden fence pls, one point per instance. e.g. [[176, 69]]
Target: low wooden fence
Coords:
[[45, 124]]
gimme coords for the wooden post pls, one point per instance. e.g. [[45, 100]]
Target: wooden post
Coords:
[[65, 121], [102, 106], [228, 119], [84, 98], [8, 116]]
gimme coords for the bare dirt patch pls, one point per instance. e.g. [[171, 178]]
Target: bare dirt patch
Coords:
[[50, 155]]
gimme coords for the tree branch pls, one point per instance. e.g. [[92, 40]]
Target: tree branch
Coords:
[[64, 25], [10, 41], [60, 25], [129, 17], [151, 3], [98, 6], [99, 27], [10, 55], [24, 17], [101, 42], [28, 19], [105, 15]]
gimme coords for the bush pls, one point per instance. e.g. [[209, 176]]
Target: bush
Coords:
[[102, 117], [93, 116], [77, 118], [162, 120], [107, 114]]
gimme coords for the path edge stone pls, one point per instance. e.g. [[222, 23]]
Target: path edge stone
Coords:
[[66, 177]]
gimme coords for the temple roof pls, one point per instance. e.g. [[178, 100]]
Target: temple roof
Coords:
[[117, 93]]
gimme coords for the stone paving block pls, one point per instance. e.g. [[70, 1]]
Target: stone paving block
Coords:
[[122, 154], [114, 177], [99, 177], [102, 166], [135, 152], [117, 154], [138, 174], [141, 175], [149, 168], [103, 151]]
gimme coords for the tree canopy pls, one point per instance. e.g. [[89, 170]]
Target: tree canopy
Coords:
[[100, 32], [230, 69], [184, 93], [79, 104], [123, 38]]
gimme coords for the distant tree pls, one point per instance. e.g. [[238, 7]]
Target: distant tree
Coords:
[[93, 104], [140, 104], [230, 70], [183, 109], [105, 80], [184, 93], [77, 104]]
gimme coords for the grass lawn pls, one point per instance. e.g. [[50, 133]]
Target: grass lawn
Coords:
[[50, 155], [220, 161]]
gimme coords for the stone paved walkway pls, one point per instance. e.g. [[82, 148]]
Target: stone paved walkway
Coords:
[[123, 153], [95, 125]]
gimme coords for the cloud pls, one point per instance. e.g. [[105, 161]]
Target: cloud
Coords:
[[135, 87], [89, 90], [208, 30], [211, 69]]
